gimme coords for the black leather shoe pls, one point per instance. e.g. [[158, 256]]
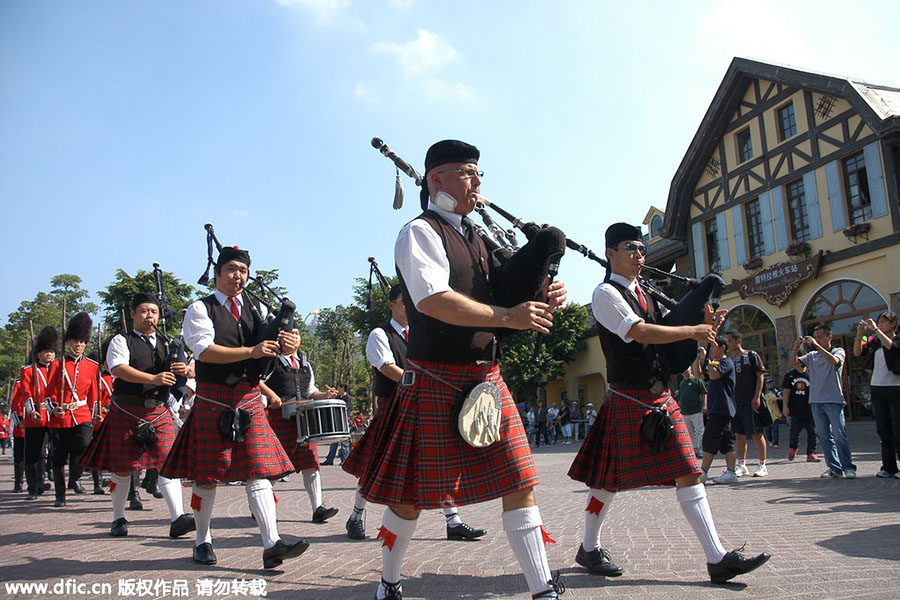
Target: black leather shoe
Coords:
[[322, 514], [204, 554], [597, 561], [355, 529], [32, 495], [44, 487], [60, 502], [275, 555], [119, 528], [17, 488], [557, 589], [135, 502], [392, 591], [153, 490], [181, 526], [734, 564], [463, 532], [98, 491], [76, 487]]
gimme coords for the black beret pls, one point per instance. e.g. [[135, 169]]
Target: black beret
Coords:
[[47, 339], [230, 253], [79, 328], [449, 151], [394, 293], [142, 298], [621, 232]]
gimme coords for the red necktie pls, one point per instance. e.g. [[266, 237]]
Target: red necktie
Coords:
[[235, 311], [294, 362], [406, 334], [640, 297]]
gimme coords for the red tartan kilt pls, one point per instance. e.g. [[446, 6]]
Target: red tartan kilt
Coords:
[[303, 456], [416, 459], [615, 456], [112, 448], [203, 454]]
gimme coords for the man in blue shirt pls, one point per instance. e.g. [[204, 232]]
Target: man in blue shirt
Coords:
[[720, 409]]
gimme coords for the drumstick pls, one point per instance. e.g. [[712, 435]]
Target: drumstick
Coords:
[[296, 401]]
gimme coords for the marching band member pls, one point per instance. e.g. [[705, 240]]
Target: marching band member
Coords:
[[386, 352], [614, 456], [292, 380], [417, 462], [73, 392], [221, 330], [138, 432], [35, 380]]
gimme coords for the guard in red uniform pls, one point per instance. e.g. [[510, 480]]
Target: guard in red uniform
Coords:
[[293, 381], [17, 423], [417, 460], [73, 394], [226, 436], [33, 398], [615, 456], [139, 431], [99, 414]]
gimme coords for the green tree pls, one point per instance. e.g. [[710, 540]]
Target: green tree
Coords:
[[366, 319], [118, 294], [339, 346], [270, 278], [522, 373]]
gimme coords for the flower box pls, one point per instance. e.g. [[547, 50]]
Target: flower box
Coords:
[[799, 249], [856, 230], [754, 263]]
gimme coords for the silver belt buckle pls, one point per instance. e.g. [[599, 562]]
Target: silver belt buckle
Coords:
[[151, 403]]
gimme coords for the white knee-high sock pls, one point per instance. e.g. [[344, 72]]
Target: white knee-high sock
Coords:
[[313, 484], [262, 505], [598, 503], [202, 501], [395, 533], [523, 529], [359, 506], [452, 516], [696, 509], [119, 494], [171, 491]]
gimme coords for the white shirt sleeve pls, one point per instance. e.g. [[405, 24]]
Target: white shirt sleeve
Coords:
[[311, 388], [612, 312], [118, 353], [199, 333], [422, 260], [378, 349]]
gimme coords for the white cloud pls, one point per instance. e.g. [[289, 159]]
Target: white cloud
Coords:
[[421, 59], [243, 214], [365, 93], [325, 10]]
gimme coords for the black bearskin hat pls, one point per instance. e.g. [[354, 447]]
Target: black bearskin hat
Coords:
[[47, 339], [79, 328]]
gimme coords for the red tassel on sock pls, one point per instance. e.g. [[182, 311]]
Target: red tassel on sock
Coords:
[[112, 486], [196, 501], [594, 506], [274, 496], [389, 538], [547, 538]]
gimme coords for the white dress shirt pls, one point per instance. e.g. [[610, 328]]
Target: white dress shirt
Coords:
[[118, 352], [612, 311], [378, 348], [199, 332]]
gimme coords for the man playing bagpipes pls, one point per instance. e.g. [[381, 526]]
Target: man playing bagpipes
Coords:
[[73, 392], [226, 436], [35, 379], [386, 352], [292, 381], [639, 437], [138, 432], [418, 461]]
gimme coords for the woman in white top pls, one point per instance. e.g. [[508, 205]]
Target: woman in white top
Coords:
[[885, 386]]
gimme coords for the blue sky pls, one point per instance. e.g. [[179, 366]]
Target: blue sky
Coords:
[[124, 126]]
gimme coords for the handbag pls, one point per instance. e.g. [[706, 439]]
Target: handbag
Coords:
[[477, 413], [234, 423], [765, 415], [657, 427], [144, 435]]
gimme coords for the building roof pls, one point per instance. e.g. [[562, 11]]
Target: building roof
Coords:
[[879, 106]]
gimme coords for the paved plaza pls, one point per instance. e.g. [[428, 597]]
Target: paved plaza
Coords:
[[828, 538]]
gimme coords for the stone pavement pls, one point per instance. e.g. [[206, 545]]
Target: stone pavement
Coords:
[[829, 538]]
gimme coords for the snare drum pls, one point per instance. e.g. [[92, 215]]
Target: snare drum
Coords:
[[322, 421]]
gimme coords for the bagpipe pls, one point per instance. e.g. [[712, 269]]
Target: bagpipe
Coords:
[[175, 351], [273, 323], [524, 270]]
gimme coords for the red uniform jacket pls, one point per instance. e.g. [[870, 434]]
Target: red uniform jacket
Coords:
[[16, 407], [82, 374], [27, 392], [105, 397]]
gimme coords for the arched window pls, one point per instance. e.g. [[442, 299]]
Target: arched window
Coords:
[[656, 224], [841, 305], [758, 333]]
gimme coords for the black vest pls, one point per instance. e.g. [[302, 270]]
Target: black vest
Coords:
[[633, 364], [384, 387], [231, 334], [285, 380], [470, 272], [143, 358]]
